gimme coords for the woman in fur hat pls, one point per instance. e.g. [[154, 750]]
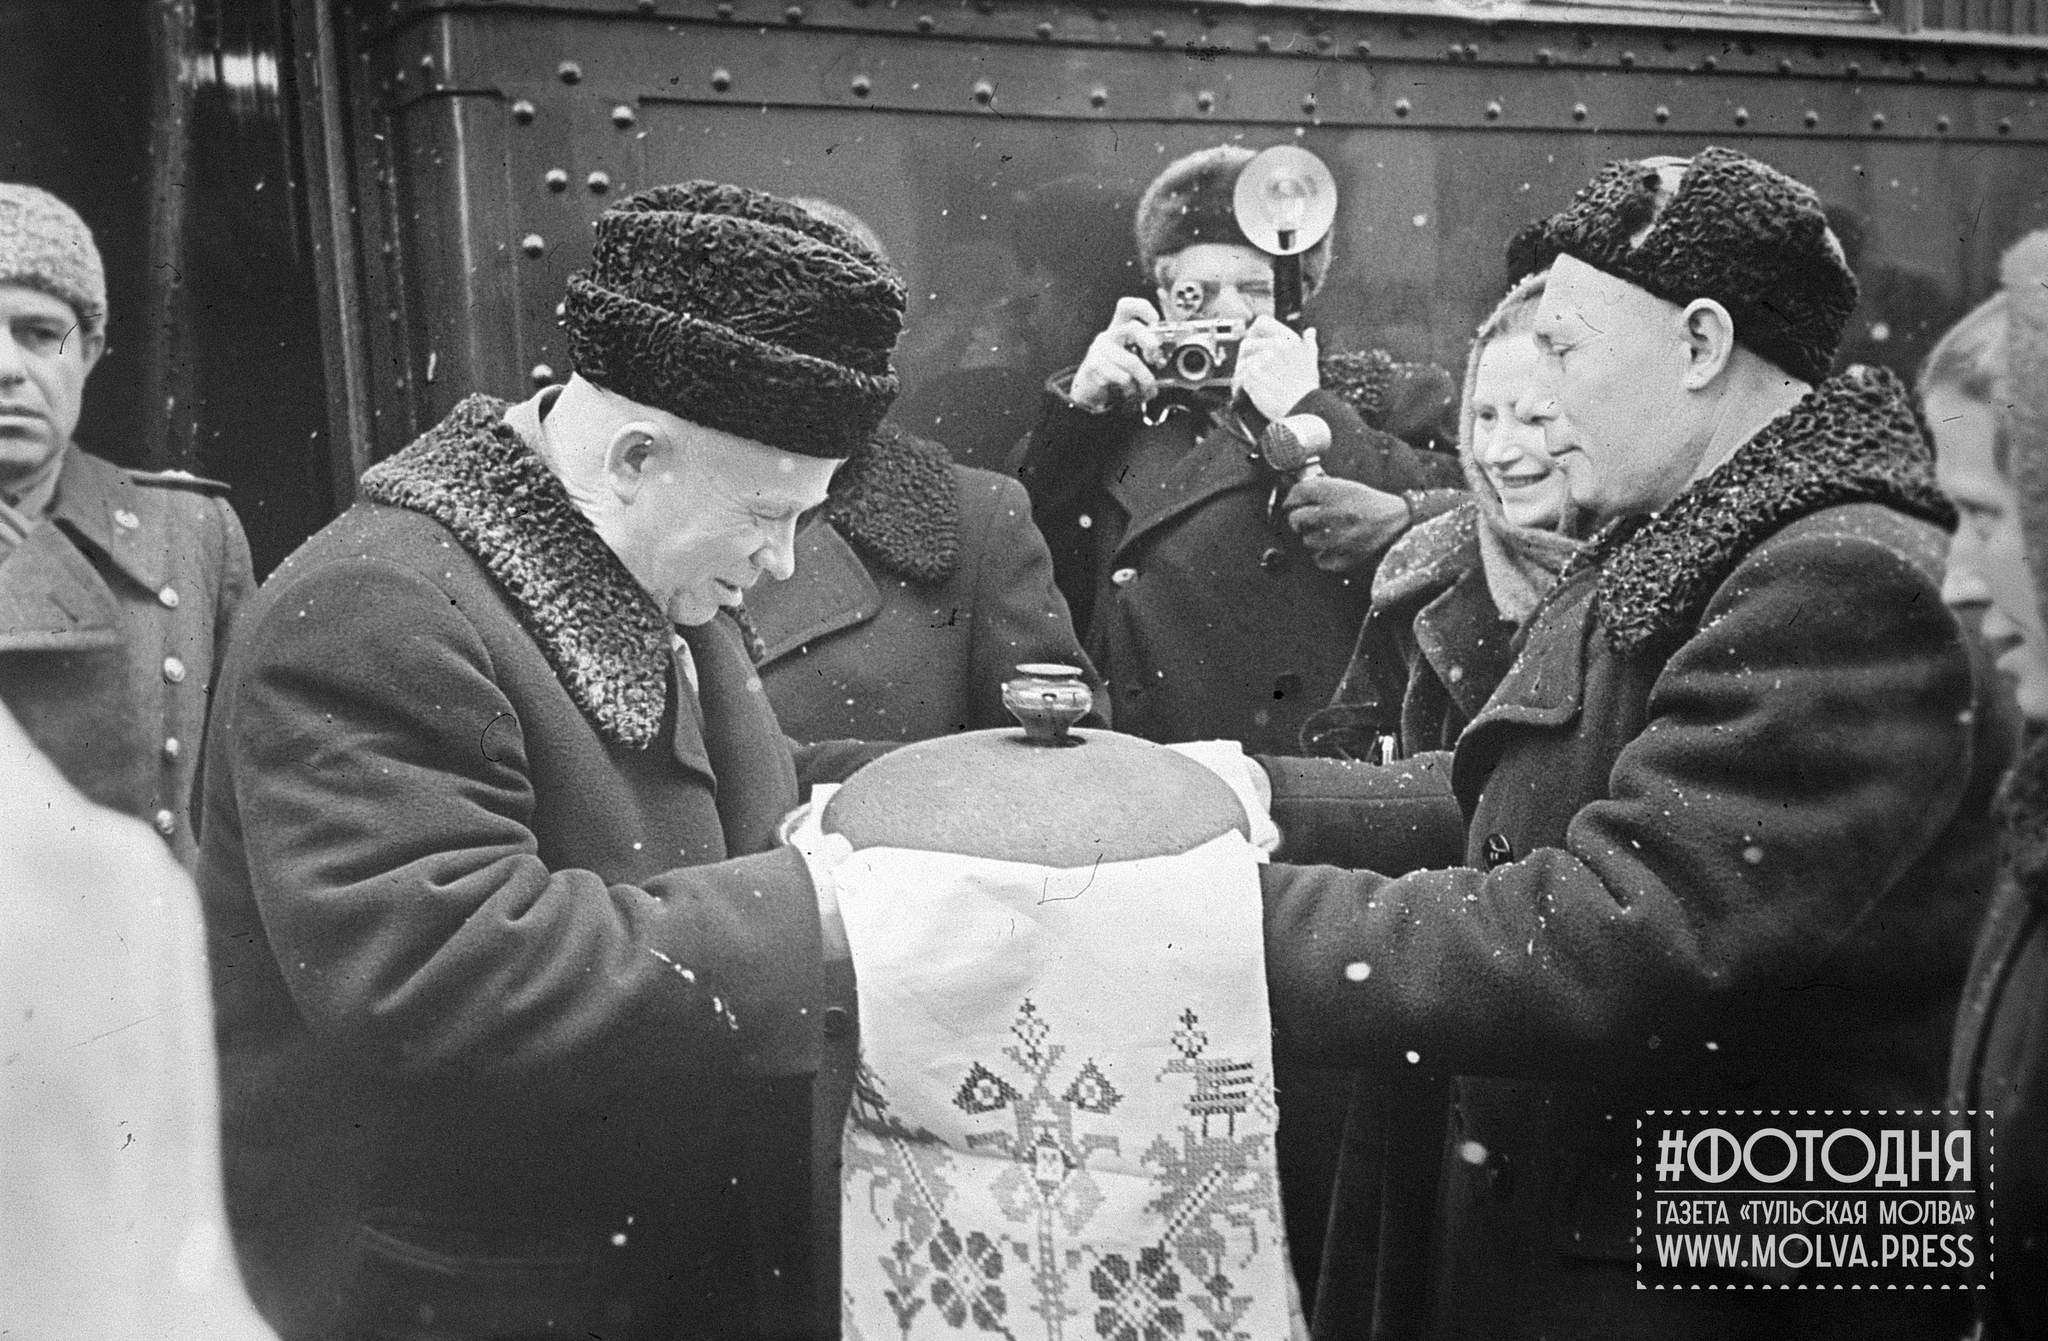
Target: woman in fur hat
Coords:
[[1986, 392], [1451, 593]]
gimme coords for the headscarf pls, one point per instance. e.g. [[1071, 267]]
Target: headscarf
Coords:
[[1521, 562]]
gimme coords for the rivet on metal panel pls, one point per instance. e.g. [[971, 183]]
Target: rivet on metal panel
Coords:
[[1709, 64], [794, 14], [1098, 97], [1159, 37], [1812, 118], [1493, 111], [1784, 65], [1919, 71], [725, 13], [1454, 52], [1402, 107], [557, 179], [1742, 116], [721, 80], [1941, 125], [427, 62], [1852, 70], [522, 112], [541, 375], [1205, 101], [569, 72], [2005, 126], [622, 116], [925, 23], [1628, 58], [861, 86], [1544, 55], [984, 92], [1877, 120], [1044, 31], [1363, 48], [1662, 114], [398, 77], [1264, 41], [533, 244], [598, 182], [1579, 112], [1325, 41], [644, 6], [1308, 103]]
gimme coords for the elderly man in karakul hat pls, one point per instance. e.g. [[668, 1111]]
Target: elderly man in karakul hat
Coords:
[[515, 988], [116, 586], [1724, 823]]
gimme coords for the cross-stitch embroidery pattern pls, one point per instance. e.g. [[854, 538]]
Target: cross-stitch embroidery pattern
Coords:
[[1049, 1138]]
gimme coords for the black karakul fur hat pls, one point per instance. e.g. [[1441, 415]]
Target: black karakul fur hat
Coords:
[[742, 312], [1195, 201], [1737, 231]]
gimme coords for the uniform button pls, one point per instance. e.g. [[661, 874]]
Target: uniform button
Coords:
[[1499, 852], [838, 1024], [169, 596], [1123, 577], [166, 823], [172, 747], [1273, 560], [174, 671], [126, 520]]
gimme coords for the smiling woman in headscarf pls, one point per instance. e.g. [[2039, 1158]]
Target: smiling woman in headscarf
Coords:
[[1985, 390], [1452, 592]]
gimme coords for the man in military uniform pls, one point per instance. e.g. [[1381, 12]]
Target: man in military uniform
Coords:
[[116, 586]]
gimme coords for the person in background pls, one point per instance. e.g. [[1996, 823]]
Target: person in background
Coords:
[[117, 587], [1985, 390], [519, 997], [1451, 593], [920, 586], [109, 1135], [1720, 838], [1207, 615]]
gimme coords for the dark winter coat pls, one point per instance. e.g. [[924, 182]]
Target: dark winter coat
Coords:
[[514, 990], [1432, 604], [919, 588], [112, 618], [1201, 607], [2000, 1067], [1726, 845]]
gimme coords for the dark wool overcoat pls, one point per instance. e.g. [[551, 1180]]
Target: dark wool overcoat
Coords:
[[2000, 1067], [112, 619], [1205, 612], [1432, 604], [509, 971], [1726, 845], [919, 588]]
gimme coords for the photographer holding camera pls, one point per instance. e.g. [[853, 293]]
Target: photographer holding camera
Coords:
[[1211, 612]]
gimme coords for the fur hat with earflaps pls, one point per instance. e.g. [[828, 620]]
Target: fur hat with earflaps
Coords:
[[1735, 230], [742, 312], [1195, 201], [46, 246]]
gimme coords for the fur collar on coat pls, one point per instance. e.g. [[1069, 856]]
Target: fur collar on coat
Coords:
[[1854, 439], [603, 634], [898, 501]]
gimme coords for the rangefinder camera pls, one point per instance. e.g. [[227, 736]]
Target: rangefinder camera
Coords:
[[1198, 353]]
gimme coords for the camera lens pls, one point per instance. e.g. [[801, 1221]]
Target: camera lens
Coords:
[[1192, 362]]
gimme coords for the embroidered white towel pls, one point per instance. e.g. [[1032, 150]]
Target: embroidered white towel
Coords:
[[1063, 1125]]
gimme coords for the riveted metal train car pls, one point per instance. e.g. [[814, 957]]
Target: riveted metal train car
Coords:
[[330, 219]]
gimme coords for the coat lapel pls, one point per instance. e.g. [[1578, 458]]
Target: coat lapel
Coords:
[[93, 497], [831, 590], [755, 775], [52, 599], [1216, 464]]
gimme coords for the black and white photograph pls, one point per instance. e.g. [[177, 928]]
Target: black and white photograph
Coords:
[[1018, 670]]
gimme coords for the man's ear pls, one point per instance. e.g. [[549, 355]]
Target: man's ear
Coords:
[[630, 455], [91, 347], [1708, 333]]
